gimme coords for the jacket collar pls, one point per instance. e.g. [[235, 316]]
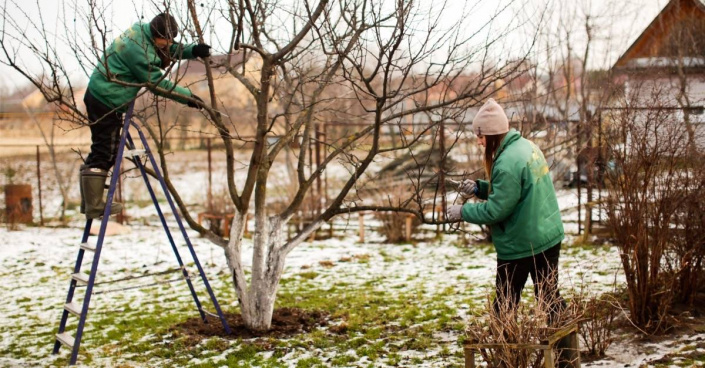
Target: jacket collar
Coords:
[[147, 32], [512, 136]]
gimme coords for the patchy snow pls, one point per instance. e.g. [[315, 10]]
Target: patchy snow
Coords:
[[35, 264]]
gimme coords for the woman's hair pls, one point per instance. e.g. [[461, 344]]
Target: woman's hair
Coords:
[[492, 143]]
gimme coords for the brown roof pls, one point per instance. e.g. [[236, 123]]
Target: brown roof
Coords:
[[651, 39]]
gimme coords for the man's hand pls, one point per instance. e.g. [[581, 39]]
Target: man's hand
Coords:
[[454, 213], [196, 105], [202, 50], [467, 188]]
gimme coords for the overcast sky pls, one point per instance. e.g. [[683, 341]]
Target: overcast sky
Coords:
[[620, 21]]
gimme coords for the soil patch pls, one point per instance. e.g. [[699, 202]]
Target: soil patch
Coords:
[[285, 322]]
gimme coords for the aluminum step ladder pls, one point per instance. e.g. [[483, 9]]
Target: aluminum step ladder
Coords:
[[79, 279]]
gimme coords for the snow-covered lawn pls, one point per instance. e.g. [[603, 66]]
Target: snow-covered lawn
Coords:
[[425, 291], [402, 304]]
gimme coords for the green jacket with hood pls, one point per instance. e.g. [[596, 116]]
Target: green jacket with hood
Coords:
[[132, 58], [521, 205]]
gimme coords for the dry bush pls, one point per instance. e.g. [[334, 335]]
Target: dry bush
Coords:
[[655, 209], [393, 225], [597, 321], [220, 205], [527, 324]]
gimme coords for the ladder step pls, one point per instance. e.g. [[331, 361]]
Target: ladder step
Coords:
[[73, 308], [88, 247], [134, 152], [65, 339], [80, 278]]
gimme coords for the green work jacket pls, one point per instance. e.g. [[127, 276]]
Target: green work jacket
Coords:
[[132, 58], [521, 205]]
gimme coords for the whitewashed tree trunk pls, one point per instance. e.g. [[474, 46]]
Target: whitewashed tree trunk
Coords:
[[270, 249]]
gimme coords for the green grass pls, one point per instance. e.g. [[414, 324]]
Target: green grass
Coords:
[[380, 325]]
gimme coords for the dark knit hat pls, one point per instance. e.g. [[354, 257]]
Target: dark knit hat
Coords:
[[164, 26]]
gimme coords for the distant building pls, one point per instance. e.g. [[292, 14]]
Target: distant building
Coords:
[[669, 57]]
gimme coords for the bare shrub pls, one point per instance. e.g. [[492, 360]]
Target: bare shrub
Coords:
[[654, 206], [527, 324], [393, 225], [597, 322]]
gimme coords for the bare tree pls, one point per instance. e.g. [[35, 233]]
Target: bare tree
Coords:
[[376, 63]]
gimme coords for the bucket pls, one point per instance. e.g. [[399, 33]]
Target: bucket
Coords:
[[18, 203]]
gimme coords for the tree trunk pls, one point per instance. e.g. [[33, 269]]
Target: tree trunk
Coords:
[[257, 299]]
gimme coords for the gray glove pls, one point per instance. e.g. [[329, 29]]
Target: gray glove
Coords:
[[467, 188], [454, 213]]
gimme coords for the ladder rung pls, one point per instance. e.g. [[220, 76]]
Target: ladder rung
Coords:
[[65, 339], [81, 278], [73, 308], [88, 247], [134, 152]]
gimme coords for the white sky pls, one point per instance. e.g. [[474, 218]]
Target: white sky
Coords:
[[619, 23]]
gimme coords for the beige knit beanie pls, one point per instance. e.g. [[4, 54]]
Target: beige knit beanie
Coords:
[[490, 120]]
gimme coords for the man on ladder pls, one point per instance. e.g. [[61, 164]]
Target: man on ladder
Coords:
[[132, 61], [135, 59]]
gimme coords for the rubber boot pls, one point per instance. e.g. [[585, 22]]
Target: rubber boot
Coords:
[[80, 187], [93, 186]]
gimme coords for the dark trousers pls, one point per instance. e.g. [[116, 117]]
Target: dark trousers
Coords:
[[543, 269], [105, 127]]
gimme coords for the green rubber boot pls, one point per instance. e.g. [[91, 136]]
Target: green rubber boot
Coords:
[[92, 188]]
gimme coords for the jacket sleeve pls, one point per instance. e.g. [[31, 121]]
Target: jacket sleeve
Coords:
[[181, 51], [146, 72], [506, 191], [483, 188]]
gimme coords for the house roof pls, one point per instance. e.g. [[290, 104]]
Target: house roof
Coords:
[[647, 45]]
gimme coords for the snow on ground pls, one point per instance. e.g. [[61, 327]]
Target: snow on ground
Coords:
[[36, 263]]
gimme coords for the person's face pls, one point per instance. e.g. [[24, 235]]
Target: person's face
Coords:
[[162, 43], [482, 141]]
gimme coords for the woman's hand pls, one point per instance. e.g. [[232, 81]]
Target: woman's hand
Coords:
[[467, 189], [454, 213]]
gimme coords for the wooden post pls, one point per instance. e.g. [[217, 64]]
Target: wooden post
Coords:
[[469, 358], [361, 228], [441, 172], [602, 168], [548, 360], [318, 178], [407, 233], [210, 177], [577, 162], [325, 173], [39, 188]]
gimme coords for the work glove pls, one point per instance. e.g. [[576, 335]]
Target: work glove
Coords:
[[454, 213], [202, 50], [196, 105], [467, 189]]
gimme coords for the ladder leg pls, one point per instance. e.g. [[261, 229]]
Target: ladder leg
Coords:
[[140, 166], [72, 284], [183, 230], [101, 236]]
